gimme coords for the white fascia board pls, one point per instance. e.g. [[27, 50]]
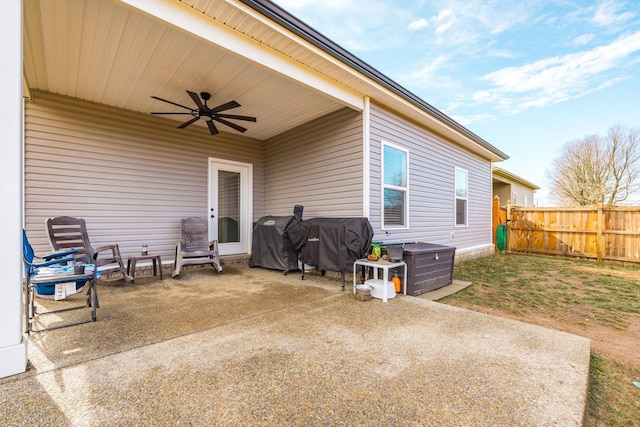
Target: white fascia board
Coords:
[[214, 32]]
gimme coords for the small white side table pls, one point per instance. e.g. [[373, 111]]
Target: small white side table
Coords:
[[385, 266]]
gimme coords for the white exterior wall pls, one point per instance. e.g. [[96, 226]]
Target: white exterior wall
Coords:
[[319, 166], [431, 186], [131, 176]]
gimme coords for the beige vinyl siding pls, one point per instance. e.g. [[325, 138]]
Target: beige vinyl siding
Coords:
[[506, 191], [431, 184], [503, 191], [523, 193], [131, 176], [319, 166]]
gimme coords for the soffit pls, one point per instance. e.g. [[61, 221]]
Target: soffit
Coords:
[[106, 52]]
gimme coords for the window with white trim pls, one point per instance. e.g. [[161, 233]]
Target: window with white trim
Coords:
[[395, 186], [462, 196]]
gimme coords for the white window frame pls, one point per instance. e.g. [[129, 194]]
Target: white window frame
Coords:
[[384, 186], [456, 198]]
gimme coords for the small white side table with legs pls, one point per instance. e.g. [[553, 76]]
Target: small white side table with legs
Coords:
[[385, 266]]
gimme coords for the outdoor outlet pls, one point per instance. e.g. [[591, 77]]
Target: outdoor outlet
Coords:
[[451, 236]]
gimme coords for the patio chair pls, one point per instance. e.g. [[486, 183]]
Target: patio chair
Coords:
[[194, 247], [56, 279], [66, 232]]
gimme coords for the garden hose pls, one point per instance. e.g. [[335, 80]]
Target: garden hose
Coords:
[[501, 238]]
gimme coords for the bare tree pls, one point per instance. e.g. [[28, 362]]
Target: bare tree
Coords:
[[597, 169]]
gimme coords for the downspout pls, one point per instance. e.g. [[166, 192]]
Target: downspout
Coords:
[[492, 233], [366, 156]]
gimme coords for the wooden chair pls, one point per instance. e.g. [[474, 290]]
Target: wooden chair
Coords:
[[67, 232], [194, 247]]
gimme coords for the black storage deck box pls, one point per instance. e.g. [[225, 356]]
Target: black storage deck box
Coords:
[[429, 266]]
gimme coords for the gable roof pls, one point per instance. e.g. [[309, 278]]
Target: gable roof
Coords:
[[120, 53], [287, 20], [503, 175]]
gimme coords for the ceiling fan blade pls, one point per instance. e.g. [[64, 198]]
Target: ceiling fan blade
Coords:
[[171, 102], [196, 99], [190, 114], [231, 125], [212, 128], [185, 124], [233, 116], [227, 106]]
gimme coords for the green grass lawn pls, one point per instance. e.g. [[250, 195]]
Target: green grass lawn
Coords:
[[581, 297]]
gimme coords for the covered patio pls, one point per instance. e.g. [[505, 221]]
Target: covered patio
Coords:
[[255, 347]]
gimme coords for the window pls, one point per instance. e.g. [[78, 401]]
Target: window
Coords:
[[395, 187], [462, 196]]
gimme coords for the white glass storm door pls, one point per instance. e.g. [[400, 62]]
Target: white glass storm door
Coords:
[[230, 205]]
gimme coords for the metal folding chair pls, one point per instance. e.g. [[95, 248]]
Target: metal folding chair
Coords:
[[55, 279]]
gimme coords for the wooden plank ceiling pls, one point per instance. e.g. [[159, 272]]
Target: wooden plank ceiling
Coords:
[[106, 52]]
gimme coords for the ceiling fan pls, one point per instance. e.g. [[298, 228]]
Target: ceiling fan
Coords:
[[202, 111]]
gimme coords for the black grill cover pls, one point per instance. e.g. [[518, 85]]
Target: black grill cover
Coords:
[[333, 244], [271, 247]]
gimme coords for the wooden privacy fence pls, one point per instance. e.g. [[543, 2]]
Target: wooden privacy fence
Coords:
[[609, 233]]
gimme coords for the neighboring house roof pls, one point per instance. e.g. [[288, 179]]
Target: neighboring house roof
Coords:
[[505, 176], [278, 68]]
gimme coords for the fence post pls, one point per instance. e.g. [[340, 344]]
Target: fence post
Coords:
[[599, 239], [496, 220], [511, 237]]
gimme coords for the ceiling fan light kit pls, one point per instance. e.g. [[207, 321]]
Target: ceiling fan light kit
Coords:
[[208, 114]]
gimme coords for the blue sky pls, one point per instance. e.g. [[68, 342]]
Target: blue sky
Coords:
[[525, 76]]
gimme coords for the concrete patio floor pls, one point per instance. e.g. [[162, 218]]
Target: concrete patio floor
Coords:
[[255, 347]]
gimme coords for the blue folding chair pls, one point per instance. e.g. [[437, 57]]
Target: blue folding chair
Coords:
[[55, 278]]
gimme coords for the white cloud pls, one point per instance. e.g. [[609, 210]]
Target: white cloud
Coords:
[[607, 13], [429, 75], [582, 40], [474, 118], [445, 20], [418, 25], [347, 22], [559, 78], [468, 24]]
